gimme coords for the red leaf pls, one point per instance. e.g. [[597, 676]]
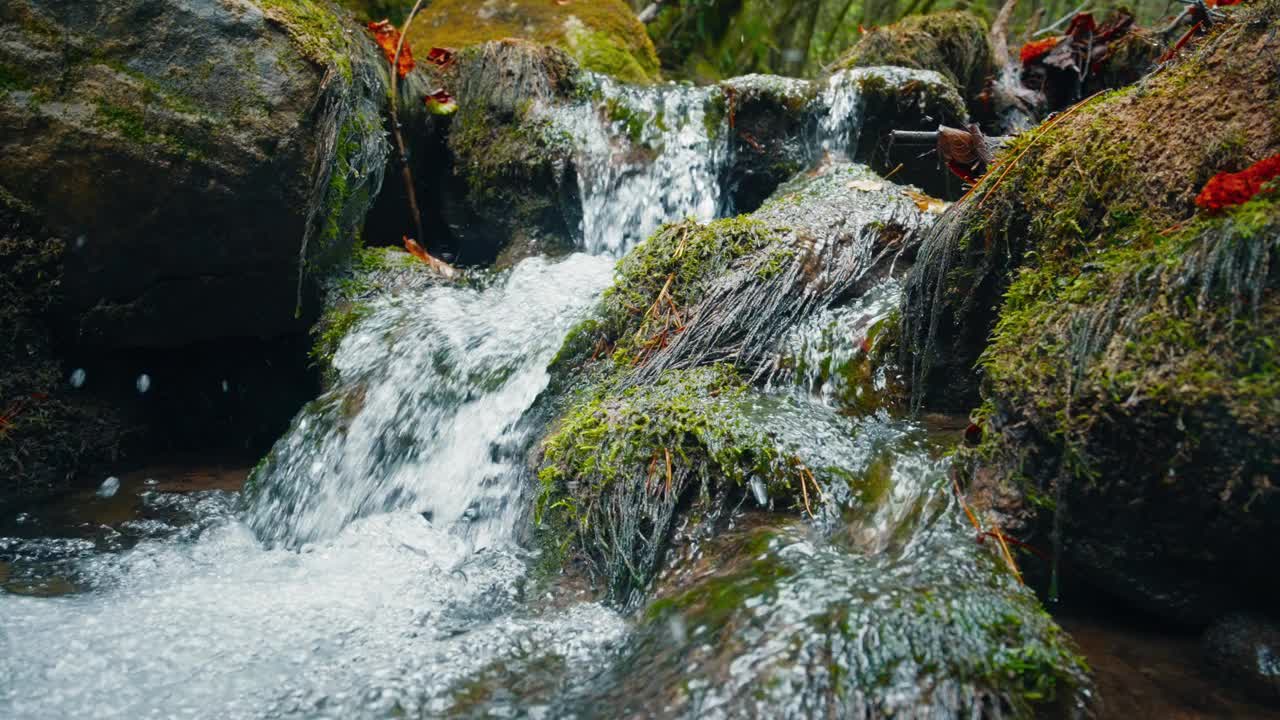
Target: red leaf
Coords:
[[1229, 189], [440, 56], [1037, 49], [1082, 25], [388, 37]]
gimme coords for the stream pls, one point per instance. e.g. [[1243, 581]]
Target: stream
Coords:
[[377, 566]]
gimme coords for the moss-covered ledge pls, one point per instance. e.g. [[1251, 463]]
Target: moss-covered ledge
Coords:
[[1127, 380], [603, 36], [953, 43]]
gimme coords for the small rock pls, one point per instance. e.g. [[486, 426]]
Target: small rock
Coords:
[[1244, 649]]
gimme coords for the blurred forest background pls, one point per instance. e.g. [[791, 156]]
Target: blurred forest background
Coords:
[[708, 40]]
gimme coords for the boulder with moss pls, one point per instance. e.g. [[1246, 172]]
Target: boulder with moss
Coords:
[[953, 43], [498, 174], [193, 155], [604, 36], [1121, 338]]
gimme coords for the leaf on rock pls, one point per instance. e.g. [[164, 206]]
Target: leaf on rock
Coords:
[[1226, 189], [388, 38], [442, 57], [435, 263], [440, 102]]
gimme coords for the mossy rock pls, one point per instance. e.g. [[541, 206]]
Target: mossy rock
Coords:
[[506, 186], [194, 157], [953, 43], [768, 621], [1122, 339], [604, 36]]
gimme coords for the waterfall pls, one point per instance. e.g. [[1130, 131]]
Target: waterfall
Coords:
[[430, 384], [645, 156]]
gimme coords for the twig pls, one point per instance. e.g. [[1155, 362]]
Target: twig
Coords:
[[406, 173], [1000, 33], [1062, 21]]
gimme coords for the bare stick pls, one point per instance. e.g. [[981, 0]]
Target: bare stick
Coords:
[[1000, 33], [405, 172], [1063, 20]]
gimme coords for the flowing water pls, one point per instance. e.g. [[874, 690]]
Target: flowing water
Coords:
[[372, 568]]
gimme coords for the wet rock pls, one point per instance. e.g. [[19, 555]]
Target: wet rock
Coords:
[[1129, 412], [773, 121], [1244, 650], [953, 43], [191, 154], [767, 621], [696, 312], [603, 36], [508, 182], [778, 127]]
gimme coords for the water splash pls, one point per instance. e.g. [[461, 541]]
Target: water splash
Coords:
[[431, 386], [645, 156]]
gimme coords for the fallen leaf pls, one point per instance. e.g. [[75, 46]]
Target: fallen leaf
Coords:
[[440, 102], [928, 204], [388, 37], [1037, 49], [865, 185], [435, 263], [1229, 189], [440, 56]]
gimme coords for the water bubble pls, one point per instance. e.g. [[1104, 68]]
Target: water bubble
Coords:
[[109, 487], [144, 383], [77, 377]]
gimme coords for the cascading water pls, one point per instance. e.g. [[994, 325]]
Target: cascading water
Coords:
[[374, 571], [645, 156], [428, 385]]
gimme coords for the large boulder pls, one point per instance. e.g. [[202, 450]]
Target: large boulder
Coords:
[[1120, 338], [604, 36], [198, 157]]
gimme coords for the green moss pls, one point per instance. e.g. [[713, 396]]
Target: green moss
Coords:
[[603, 35], [495, 151], [14, 78], [320, 35], [953, 43], [135, 126], [682, 259], [621, 456]]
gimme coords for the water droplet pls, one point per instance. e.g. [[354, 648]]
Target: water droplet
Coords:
[[144, 383], [759, 490], [77, 377], [109, 487], [226, 386], [81, 241], [23, 518], [151, 481]]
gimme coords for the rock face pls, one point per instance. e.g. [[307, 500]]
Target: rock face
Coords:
[[192, 154], [604, 36], [1128, 398]]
